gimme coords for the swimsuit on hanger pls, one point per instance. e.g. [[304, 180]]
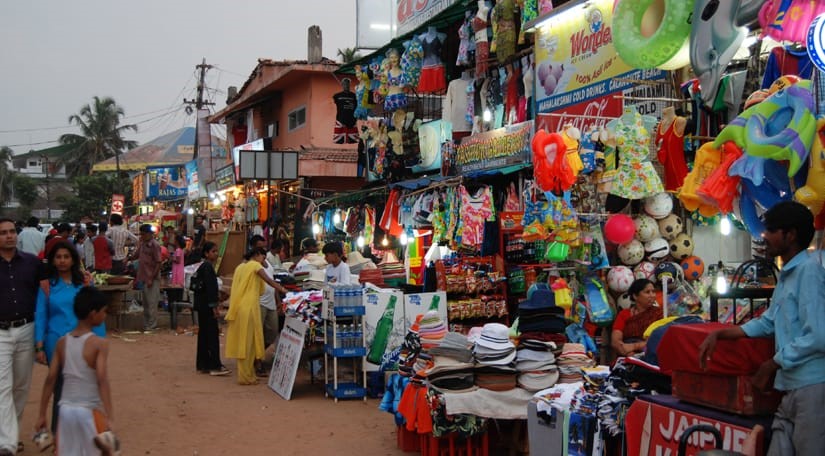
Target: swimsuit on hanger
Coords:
[[482, 45], [636, 177], [672, 156], [433, 76], [411, 61]]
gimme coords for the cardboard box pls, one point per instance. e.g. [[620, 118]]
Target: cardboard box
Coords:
[[547, 435], [375, 303], [733, 394], [419, 303]]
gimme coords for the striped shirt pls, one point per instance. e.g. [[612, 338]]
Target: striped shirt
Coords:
[[120, 237]]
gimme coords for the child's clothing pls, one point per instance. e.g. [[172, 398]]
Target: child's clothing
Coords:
[[77, 425]]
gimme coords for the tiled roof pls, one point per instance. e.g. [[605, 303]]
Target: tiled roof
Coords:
[[330, 154]]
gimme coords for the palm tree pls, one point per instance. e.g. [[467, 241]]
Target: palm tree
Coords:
[[348, 55], [101, 136], [6, 173]]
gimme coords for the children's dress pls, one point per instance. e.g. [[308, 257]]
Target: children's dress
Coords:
[[635, 176]]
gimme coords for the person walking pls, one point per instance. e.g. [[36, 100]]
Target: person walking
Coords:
[[205, 286], [31, 239], [103, 249], [796, 321], [20, 275], [244, 337], [81, 357], [148, 275], [54, 315], [89, 247]]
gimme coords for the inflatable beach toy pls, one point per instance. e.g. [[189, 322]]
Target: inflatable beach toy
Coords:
[[655, 39], [812, 194]]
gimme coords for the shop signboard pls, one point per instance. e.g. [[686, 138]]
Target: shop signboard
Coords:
[[287, 357], [576, 61], [376, 302], [211, 188], [193, 189], [505, 146], [225, 177], [596, 112], [166, 183], [139, 188], [258, 144], [655, 429], [268, 164], [411, 14], [117, 203]]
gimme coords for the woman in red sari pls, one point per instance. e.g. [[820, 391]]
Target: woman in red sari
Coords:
[[630, 325]]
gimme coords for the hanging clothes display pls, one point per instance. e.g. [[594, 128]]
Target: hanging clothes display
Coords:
[[504, 29], [411, 61], [466, 43], [671, 154], [481, 37], [636, 177], [433, 75], [475, 210]]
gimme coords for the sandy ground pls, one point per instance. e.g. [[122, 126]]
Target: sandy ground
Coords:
[[163, 407]]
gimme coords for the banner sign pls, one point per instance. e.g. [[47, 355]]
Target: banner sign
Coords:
[[576, 61], [496, 148], [166, 183], [194, 186], [411, 14], [118, 201], [139, 188], [654, 429], [596, 112], [225, 177], [287, 357]]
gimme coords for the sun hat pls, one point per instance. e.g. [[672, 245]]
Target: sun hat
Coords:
[[495, 336], [495, 359], [540, 299]]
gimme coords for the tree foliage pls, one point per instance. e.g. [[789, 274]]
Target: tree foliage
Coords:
[[25, 191], [92, 195], [348, 55], [101, 136]]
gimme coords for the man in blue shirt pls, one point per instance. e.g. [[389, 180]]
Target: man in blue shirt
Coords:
[[796, 320]]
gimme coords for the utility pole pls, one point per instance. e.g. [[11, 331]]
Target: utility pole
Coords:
[[199, 103]]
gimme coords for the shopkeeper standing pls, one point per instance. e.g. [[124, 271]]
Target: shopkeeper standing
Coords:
[[796, 319]]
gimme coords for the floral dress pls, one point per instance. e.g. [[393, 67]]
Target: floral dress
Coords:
[[635, 177], [474, 212], [412, 60], [465, 44]]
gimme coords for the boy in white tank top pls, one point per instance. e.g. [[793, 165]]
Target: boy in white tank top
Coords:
[[86, 402]]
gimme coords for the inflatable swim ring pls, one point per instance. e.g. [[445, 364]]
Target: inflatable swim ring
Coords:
[[666, 47], [780, 128], [812, 194]]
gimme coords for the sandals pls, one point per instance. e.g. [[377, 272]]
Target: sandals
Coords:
[[108, 443]]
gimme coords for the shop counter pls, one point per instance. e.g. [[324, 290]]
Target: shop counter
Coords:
[[654, 424]]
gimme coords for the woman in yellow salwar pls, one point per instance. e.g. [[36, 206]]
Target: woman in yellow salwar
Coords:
[[244, 339]]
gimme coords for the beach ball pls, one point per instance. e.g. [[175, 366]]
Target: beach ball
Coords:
[[619, 229], [646, 228], [693, 267], [656, 249], [624, 301], [659, 205], [670, 226], [681, 246], [669, 272], [631, 253], [619, 278], [644, 270]]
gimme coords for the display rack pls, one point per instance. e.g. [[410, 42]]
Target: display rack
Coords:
[[344, 341]]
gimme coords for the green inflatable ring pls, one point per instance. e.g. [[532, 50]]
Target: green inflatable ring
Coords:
[[666, 48]]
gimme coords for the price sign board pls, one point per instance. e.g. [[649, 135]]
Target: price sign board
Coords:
[[287, 357]]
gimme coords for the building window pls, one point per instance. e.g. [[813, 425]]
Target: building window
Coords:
[[33, 163], [297, 118]]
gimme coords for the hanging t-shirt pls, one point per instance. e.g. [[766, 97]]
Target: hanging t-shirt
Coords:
[[454, 109], [345, 102], [338, 274], [784, 61], [475, 210]]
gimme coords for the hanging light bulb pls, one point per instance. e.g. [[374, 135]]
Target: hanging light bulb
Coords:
[[336, 218], [724, 226], [223, 197], [360, 242], [487, 115], [721, 284], [216, 201], [404, 239], [385, 242], [316, 228]]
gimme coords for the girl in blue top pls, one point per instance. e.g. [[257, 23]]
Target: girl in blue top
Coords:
[[54, 316]]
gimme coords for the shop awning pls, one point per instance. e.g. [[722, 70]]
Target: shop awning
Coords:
[[496, 171]]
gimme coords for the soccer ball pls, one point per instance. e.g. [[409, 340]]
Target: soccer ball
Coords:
[[619, 278], [670, 272], [631, 253], [693, 267], [681, 246], [624, 301], [656, 249], [644, 270], [670, 226], [659, 205], [646, 228]]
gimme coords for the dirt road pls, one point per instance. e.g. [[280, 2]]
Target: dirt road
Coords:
[[163, 407]]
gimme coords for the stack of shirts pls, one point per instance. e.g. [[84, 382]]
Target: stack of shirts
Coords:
[[572, 360], [536, 365], [432, 330], [494, 354], [540, 313]]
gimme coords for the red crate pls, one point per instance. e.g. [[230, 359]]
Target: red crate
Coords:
[[733, 394]]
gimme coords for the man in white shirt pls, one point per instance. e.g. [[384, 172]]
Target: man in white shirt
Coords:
[[309, 247], [337, 271], [89, 247], [30, 239], [273, 257], [121, 237]]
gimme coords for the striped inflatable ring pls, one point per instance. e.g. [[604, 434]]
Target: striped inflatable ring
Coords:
[[816, 42], [667, 47]]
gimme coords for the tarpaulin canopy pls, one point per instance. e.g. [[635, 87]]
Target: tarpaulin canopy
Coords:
[[175, 148]]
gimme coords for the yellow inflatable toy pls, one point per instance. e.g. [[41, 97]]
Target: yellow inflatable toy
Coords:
[[812, 194], [707, 160]]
